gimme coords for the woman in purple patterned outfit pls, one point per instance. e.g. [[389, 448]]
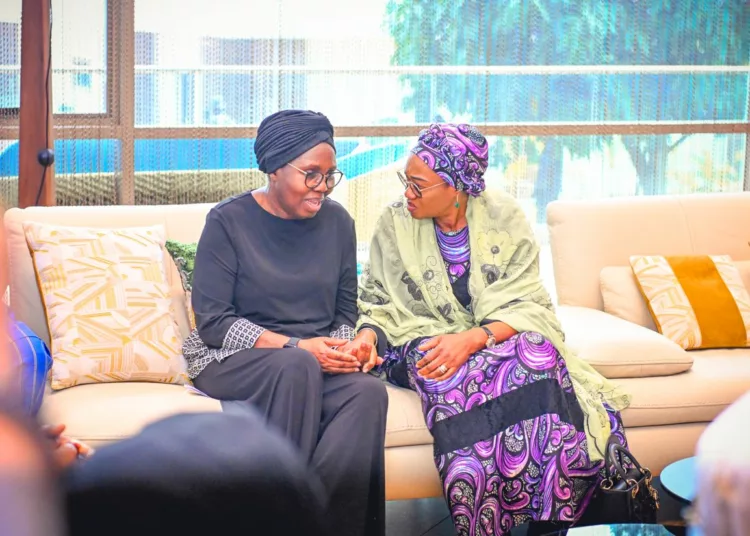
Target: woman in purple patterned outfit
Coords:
[[452, 299]]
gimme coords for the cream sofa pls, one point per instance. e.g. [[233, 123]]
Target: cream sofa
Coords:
[[591, 242], [103, 413], [667, 415]]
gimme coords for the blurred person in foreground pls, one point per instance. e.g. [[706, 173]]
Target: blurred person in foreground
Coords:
[[29, 504]]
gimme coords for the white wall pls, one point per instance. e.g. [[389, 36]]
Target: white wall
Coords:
[[10, 11]]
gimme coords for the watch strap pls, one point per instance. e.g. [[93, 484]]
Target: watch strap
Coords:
[[491, 341], [293, 342]]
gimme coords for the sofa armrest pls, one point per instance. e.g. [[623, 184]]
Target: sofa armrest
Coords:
[[618, 348]]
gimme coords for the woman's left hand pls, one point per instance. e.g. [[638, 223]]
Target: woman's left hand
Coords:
[[452, 351], [363, 348]]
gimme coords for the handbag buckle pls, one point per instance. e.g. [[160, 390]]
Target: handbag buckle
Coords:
[[606, 484]]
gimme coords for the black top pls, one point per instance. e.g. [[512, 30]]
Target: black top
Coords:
[[293, 277]]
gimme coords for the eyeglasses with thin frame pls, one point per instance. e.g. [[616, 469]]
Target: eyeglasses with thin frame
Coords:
[[414, 186], [314, 178]]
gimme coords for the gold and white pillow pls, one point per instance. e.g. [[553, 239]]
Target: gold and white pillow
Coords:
[[696, 301], [107, 302]]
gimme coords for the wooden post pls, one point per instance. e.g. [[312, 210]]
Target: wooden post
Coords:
[[126, 96], [35, 184]]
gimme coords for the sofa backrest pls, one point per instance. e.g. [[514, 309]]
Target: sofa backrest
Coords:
[[182, 222], [586, 236]]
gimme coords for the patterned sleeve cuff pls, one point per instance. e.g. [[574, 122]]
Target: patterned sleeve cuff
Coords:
[[343, 332], [242, 335]]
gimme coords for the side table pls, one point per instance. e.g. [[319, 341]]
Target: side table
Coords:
[[679, 480]]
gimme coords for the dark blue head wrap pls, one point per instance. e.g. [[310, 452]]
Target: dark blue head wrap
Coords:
[[285, 135]]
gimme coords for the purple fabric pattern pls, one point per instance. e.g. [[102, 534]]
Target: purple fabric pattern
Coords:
[[535, 469], [455, 251], [457, 153]]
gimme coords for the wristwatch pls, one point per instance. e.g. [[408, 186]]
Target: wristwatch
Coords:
[[491, 341], [293, 342]]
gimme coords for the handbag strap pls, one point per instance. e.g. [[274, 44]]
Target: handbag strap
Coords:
[[615, 453]]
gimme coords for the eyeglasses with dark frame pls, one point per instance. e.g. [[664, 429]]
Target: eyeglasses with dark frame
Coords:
[[314, 178], [414, 186]]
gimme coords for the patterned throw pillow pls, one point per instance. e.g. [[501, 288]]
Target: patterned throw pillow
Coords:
[[107, 302], [183, 255], [696, 301]]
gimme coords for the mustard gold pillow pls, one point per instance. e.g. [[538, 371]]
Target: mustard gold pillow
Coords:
[[107, 302], [696, 301]]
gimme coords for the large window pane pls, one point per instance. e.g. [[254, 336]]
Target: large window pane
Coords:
[[10, 57], [219, 66], [365, 98], [535, 170], [391, 62], [79, 56]]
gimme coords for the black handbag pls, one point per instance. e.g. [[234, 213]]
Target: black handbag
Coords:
[[625, 495]]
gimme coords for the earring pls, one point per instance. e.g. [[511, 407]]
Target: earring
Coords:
[[459, 188]]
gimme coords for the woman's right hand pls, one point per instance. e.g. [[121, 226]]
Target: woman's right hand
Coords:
[[331, 361]]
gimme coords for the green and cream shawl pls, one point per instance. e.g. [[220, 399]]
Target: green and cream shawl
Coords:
[[406, 292]]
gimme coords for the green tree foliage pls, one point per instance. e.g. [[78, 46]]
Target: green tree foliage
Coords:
[[578, 32]]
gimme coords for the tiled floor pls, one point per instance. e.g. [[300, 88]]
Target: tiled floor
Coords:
[[429, 517]]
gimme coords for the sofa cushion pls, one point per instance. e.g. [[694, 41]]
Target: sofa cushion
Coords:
[[405, 424], [716, 379], [623, 298], [114, 411], [698, 301], [107, 303], [106, 412], [620, 349]]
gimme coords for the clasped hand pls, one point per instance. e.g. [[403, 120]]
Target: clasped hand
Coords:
[[331, 355], [363, 349]]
